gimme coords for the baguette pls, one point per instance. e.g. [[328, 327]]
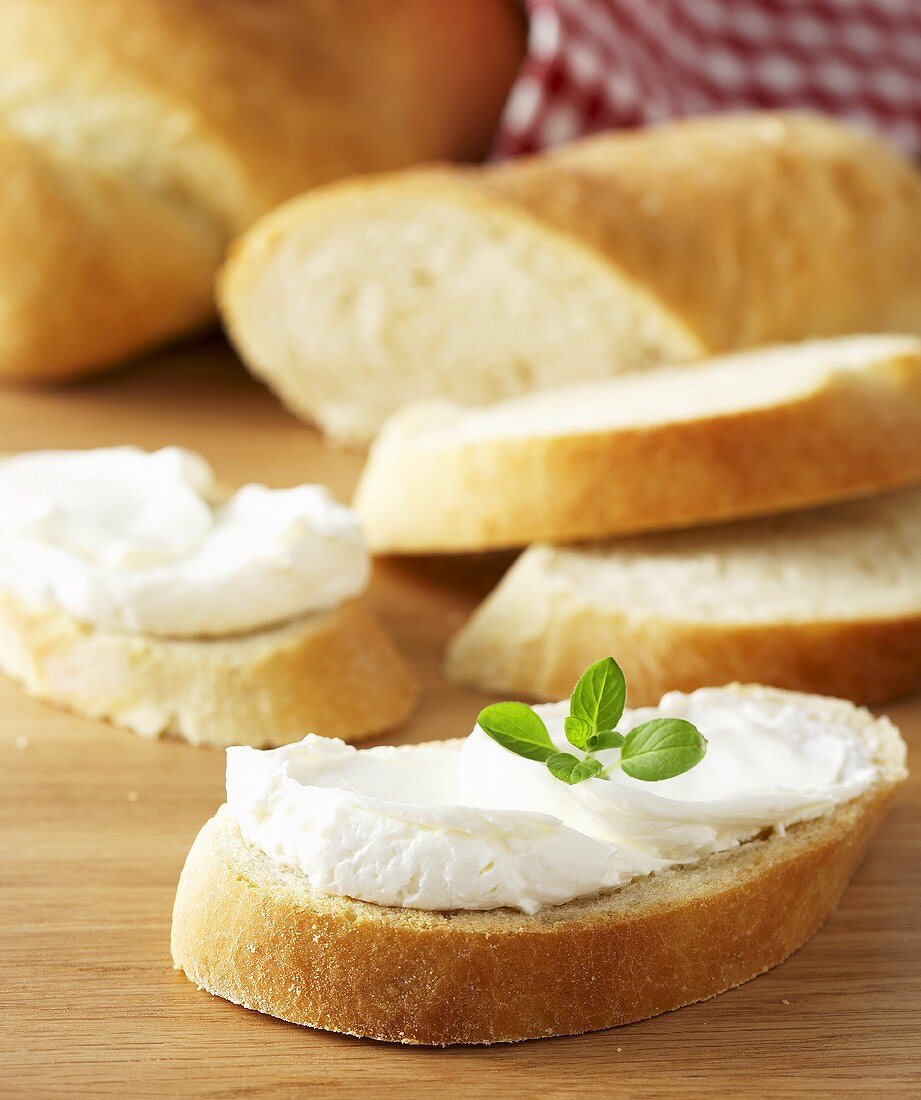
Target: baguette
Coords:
[[826, 601], [334, 673], [138, 136], [617, 253], [250, 931], [757, 432]]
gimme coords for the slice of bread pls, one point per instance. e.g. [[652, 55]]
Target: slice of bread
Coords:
[[826, 601], [617, 253], [758, 432], [250, 931], [334, 673]]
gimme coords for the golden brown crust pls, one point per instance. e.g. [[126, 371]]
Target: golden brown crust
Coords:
[[246, 931], [75, 298], [855, 435], [752, 228], [334, 673], [212, 113], [864, 660]]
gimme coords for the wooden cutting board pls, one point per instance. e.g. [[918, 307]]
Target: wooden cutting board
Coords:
[[95, 824]]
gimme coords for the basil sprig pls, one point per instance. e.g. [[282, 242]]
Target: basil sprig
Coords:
[[658, 749]]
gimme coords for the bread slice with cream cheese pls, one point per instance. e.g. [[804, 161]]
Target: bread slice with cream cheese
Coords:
[[754, 433], [827, 600], [134, 588], [255, 933]]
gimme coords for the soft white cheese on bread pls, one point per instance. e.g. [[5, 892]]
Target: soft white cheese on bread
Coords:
[[145, 543], [470, 825]]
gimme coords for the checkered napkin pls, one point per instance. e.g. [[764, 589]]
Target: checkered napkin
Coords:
[[597, 64]]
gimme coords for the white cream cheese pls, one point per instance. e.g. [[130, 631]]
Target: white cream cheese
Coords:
[[387, 825], [127, 540], [766, 767], [470, 825]]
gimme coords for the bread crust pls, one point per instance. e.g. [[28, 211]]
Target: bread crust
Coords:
[[198, 118], [752, 228], [334, 673], [246, 930], [864, 660], [854, 435]]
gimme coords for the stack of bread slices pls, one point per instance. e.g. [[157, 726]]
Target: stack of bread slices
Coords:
[[747, 517], [636, 353]]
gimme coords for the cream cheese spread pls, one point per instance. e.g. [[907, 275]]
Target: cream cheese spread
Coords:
[[144, 542], [470, 825]]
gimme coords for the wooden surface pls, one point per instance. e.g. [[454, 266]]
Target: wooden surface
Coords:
[[95, 824]]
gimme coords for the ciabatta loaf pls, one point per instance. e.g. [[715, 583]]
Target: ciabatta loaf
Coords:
[[251, 931], [334, 673], [617, 253], [826, 601], [757, 432], [138, 136]]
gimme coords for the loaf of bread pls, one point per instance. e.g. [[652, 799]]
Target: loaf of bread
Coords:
[[826, 601], [256, 933], [138, 136], [617, 253], [755, 432]]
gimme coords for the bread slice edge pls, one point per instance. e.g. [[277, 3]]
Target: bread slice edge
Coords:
[[335, 673], [853, 434], [534, 636]]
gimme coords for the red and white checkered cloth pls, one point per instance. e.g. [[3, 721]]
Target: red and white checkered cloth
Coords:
[[597, 64]]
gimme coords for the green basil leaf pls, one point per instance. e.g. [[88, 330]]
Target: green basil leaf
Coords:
[[578, 732], [565, 766], [661, 749], [515, 726], [607, 739], [599, 697]]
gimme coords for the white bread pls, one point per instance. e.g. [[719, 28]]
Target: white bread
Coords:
[[256, 934], [757, 432], [335, 673], [617, 253], [138, 136], [826, 601]]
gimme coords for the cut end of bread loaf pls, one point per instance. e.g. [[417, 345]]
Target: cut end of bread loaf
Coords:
[[763, 431], [612, 254], [255, 934], [358, 298], [333, 673], [826, 601]]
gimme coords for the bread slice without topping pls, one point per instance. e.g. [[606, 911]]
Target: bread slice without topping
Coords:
[[762, 431], [255, 933], [827, 601], [616, 253], [334, 673]]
